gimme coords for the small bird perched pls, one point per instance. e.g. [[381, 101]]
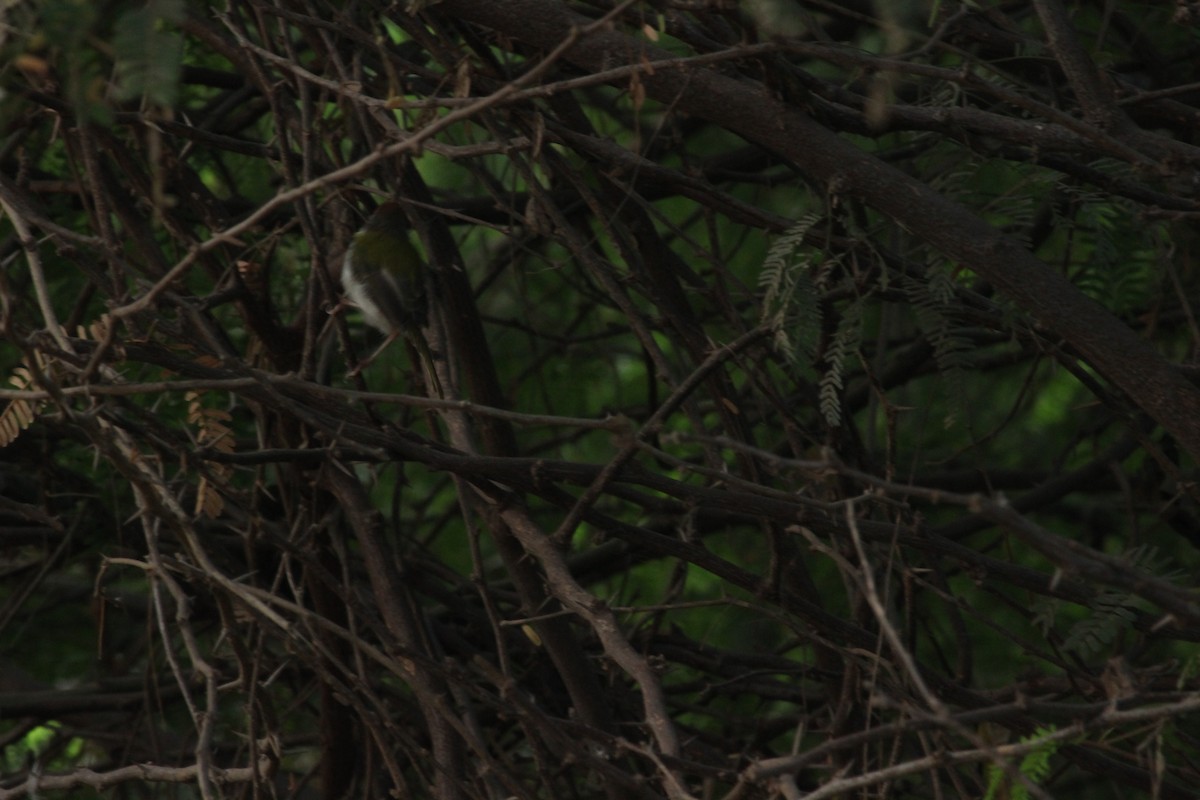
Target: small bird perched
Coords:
[[384, 276]]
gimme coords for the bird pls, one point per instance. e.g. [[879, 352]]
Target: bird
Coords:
[[384, 276]]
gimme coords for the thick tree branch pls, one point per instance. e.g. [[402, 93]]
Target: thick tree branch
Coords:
[[751, 111]]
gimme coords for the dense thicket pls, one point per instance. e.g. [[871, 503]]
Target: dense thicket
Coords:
[[816, 410]]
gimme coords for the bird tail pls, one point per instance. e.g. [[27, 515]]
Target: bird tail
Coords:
[[427, 362]]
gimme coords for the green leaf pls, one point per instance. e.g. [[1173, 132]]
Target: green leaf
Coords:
[[149, 52]]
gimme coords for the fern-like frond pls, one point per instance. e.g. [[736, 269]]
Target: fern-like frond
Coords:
[[1035, 766], [933, 302], [19, 414], [1110, 616], [845, 343], [1112, 262], [1113, 609], [790, 295]]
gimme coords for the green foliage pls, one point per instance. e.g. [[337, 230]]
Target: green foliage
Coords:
[[791, 281], [603, 252], [933, 301], [65, 24], [843, 346], [1110, 617], [790, 299], [1112, 610], [36, 743], [1114, 263], [149, 52], [1035, 766]]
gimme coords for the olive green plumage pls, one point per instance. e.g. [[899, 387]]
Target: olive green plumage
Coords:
[[384, 276]]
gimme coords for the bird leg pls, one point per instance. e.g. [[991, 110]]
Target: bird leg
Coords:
[[424, 357], [393, 336], [341, 306]]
